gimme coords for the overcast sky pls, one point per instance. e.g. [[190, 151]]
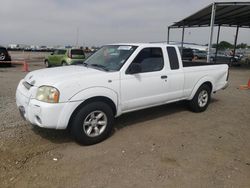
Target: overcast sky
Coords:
[[55, 22]]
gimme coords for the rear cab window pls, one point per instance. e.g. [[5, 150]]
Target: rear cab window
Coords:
[[173, 58]]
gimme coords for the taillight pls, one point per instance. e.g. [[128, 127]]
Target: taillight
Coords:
[[69, 54]]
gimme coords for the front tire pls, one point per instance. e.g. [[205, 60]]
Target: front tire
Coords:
[[201, 99], [93, 123]]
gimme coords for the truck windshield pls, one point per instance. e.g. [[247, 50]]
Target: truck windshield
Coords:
[[111, 57]]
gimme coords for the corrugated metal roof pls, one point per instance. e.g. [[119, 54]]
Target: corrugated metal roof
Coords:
[[227, 14]]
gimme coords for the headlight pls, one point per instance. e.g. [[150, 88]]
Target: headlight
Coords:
[[47, 94]]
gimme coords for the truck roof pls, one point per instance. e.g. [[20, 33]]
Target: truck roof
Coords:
[[144, 44]]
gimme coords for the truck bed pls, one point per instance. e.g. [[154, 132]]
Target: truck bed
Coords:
[[198, 63]]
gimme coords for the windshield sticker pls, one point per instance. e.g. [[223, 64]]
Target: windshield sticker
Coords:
[[124, 47]]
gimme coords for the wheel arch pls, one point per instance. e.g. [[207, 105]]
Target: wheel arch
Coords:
[[209, 84], [104, 99], [205, 80], [63, 61]]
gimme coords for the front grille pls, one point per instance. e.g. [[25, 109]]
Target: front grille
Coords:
[[27, 85]]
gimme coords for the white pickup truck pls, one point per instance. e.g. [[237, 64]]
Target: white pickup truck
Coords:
[[117, 79]]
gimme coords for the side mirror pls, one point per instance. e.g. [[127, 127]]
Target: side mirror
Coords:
[[134, 68]]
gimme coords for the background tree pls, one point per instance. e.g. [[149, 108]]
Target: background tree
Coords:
[[224, 45], [242, 45]]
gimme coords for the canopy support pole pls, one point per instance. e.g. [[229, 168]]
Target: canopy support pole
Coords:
[[182, 39], [217, 42], [211, 32], [235, 40], [168, 35]]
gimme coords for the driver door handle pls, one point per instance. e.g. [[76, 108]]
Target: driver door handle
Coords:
[[164, 77]]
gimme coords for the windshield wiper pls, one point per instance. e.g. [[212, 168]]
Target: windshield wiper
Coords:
[[85, 64], [99, 66]]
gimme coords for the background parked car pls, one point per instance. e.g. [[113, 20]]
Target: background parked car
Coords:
[[65, 57], [4, 56], [187, 54], [222, 57], [199, 54]]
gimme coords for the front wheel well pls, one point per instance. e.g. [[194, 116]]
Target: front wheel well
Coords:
[[106, 100]]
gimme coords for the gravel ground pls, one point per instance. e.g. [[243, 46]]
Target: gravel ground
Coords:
[[166, 146]]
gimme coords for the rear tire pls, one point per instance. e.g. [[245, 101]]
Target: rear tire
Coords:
[[93, 123], [46, 62], [64, 63], [2, 57], [201, 99]]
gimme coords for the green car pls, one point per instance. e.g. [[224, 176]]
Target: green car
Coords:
[[64, 57]]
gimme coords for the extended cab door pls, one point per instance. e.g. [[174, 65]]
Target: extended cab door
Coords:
[[175, 73], [145, 81]]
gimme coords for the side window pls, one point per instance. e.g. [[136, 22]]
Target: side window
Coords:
[[149, 60], [173, 58], [62, 52], [56, 52], [3, 50]]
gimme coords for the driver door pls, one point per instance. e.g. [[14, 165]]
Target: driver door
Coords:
[[147, 87]]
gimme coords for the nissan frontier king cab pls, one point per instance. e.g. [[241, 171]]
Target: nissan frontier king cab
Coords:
[[117, 79]]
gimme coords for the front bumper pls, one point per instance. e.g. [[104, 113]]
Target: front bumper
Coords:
[[42, 114], [225, 86]]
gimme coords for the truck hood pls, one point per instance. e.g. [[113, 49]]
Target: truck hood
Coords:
[[57, 75], [70, 80]]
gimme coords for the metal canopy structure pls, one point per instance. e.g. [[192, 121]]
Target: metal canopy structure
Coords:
[[221, 14]]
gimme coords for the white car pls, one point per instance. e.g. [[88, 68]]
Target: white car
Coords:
[[117, 79]]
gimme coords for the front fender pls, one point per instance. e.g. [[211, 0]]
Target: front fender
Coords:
[[95, 92], [199, 83], [81, 96]]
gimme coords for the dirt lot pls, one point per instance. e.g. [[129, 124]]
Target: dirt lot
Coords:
[[167, 146]]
